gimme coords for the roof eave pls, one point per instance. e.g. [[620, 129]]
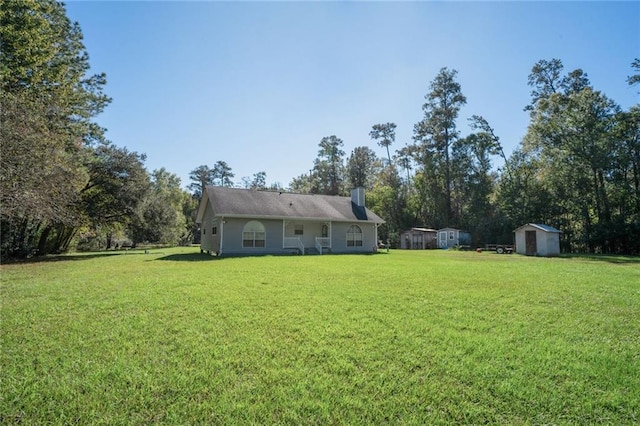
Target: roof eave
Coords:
[[267, 217]]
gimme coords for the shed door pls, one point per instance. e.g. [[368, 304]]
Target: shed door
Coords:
[[531, 247], [443, 239], [417, 241]]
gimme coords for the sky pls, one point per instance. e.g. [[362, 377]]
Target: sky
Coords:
[[259, 84]]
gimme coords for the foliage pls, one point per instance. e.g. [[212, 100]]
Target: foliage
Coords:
[[201, 177], [362, 167], [385, 135], [411, 337], [635, 78], [577, 167], [222, 172], [328, 168], [435, 135], [48, 102], [586, 152], [162, 215], [258, 181]]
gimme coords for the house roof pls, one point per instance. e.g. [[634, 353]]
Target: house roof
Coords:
[[233, 202], [545, 228]]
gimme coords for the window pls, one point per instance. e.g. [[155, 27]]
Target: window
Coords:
[[354, 236], [451, 235], [214, 230], [325, 231], [253, 234], [298, 230]]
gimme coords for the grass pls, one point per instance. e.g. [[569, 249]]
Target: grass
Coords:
[[429, 337]]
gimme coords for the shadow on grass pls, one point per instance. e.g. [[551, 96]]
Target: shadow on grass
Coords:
[[69, 257], [189, 257], [198, 257], [608, 258]]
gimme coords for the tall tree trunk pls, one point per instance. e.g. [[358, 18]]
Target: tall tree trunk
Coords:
[[447, 174], [42, 244]]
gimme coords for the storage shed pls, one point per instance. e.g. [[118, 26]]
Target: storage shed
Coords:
[[419, 239], [534, 239], [452, 237]]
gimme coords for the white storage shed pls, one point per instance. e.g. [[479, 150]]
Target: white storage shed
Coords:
[[534, 239]]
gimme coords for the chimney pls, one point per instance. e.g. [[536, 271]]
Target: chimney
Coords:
[[357, 196]]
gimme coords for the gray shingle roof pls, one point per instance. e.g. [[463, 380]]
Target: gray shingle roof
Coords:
[[272, 204]]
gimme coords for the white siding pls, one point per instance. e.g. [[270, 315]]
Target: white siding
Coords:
[[547, 243]]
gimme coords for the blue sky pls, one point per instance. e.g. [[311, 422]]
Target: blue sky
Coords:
[[258, 84]]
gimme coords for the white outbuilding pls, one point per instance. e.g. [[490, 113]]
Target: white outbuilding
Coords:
[[534, 239]]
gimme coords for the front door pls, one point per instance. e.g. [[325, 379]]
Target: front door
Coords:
[[531, 247]]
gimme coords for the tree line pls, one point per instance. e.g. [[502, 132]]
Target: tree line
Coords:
[[64, 185], [577, 167]]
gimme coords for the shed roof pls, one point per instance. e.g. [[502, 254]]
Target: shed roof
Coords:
[[542, 227], [236, 202], [452, 229], [422, 230]]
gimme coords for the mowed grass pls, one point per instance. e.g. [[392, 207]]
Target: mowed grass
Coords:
[[409, 337]]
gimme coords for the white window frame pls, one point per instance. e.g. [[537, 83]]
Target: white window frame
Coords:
[[256, 230], [352, 236]]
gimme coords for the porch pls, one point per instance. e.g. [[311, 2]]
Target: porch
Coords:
[[307, 237]]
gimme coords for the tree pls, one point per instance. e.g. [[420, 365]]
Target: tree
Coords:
[[386, 198], [634, 79], [404, 158], [161, 217], [222, 172], [48, 103], [118, 182], [490, 143], [328, 170], [362, 166], [257, 181], [201, 176], [474, 181], [522, 195], [583, 161], [303, 184], [436, 133], [545, 79], [385, 135]]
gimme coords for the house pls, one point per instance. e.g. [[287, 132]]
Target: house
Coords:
[[419, 238], [534, 239], [451, 237], [249, 222]]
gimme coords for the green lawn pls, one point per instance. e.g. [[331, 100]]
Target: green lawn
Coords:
[[429, 337]]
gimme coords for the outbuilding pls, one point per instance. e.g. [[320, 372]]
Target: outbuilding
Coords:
[[419, 239], [452, 237], [535, 239]]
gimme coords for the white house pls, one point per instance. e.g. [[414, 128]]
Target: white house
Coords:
[[249, 222], [534, 239]]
